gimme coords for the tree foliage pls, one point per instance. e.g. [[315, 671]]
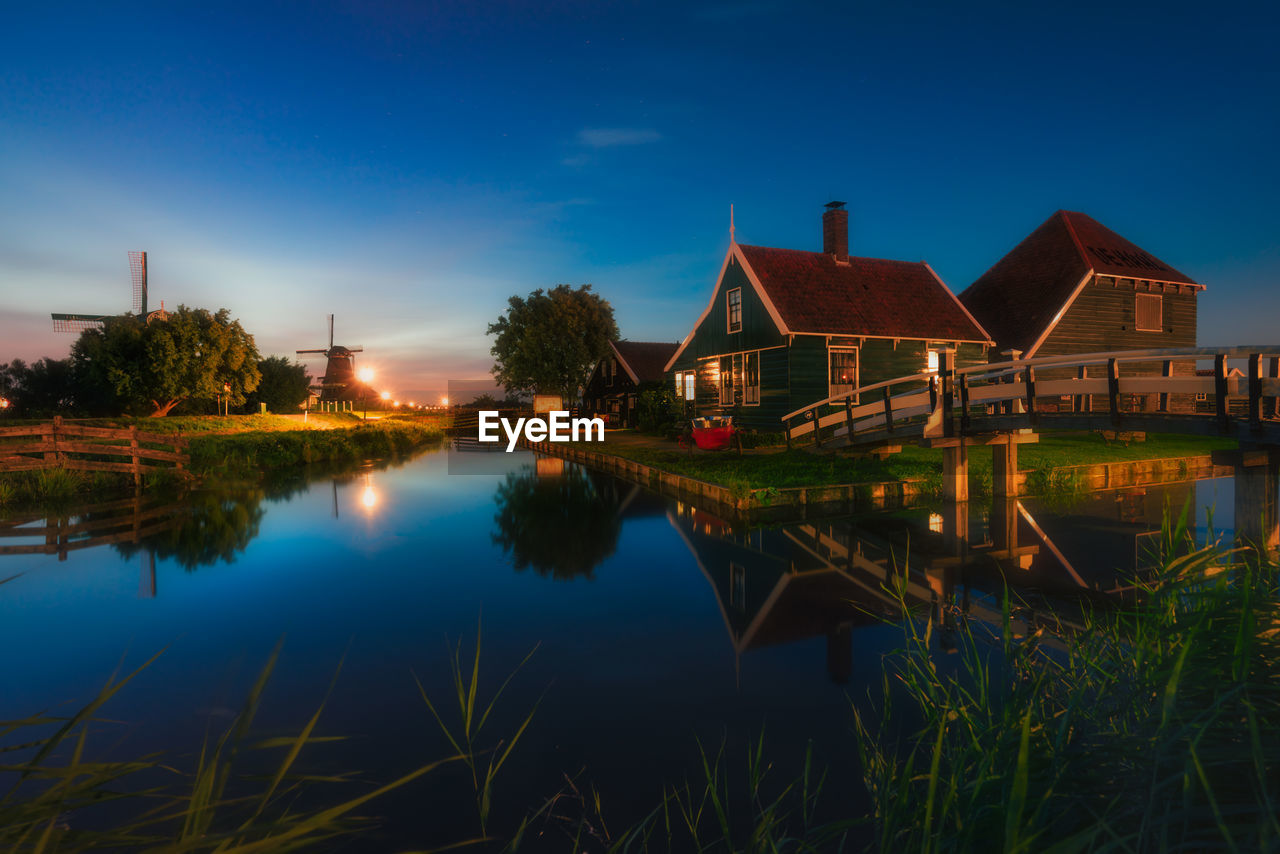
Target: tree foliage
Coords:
[[548, 342], [284, 386], [38, 390], [194, 354]]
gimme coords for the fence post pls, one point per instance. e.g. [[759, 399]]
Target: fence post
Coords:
[[1029, 379], [1220, 390], [1113, 390], [1082, 402], [947, 366], [133, 453], [1166, 372], [1255, 391], [51, 455], [888, 410]]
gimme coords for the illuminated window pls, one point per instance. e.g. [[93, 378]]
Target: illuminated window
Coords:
[[931, 361], [844, 371], [751, 379], [734, 307], [726, 381], [1147, 312], [688, 385]]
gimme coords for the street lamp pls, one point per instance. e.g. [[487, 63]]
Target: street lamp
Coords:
[[366, 376]]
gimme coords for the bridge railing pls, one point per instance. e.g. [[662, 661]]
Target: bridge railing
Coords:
[[1248, 390]]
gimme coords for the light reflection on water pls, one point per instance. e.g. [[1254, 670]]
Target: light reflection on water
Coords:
[[657, 622]]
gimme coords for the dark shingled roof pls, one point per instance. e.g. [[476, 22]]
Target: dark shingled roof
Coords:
[[1019, 297], [647, 359], [867, 296]]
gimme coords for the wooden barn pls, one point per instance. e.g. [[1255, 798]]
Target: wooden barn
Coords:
[[614, 388], [1075, 286], [786, 328]]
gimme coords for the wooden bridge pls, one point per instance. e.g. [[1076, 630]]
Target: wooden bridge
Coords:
[[1005, 404], [57, 444]]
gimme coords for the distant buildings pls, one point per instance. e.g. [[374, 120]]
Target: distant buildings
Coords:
[[613, 390]]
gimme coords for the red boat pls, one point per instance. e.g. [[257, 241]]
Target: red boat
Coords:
[[712, 434]]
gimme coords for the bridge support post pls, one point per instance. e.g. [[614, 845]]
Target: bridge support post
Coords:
[[1257, 482], [1004, 469], [955, 472], [955, 528]]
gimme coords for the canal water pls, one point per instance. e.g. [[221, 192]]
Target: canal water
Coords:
[[656, 629]]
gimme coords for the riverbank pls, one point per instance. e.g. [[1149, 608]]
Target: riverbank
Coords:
[[236, 447], [776, 483]]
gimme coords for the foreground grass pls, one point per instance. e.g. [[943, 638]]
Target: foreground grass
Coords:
[[1157, 729], [779, 468]]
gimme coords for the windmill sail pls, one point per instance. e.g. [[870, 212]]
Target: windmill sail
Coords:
[[138, 266], [63, 322]]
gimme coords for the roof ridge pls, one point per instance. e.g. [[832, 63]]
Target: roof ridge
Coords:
[[1075, 238]]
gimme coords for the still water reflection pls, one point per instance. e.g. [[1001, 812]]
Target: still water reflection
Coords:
[[655, 622]]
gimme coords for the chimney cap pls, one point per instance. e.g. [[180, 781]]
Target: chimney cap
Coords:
[[833, 206]]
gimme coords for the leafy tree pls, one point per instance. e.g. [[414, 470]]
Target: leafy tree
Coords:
[[43, 388], [549, 342], [284, 385], [140, 367]]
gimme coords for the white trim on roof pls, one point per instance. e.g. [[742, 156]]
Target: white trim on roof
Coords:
[[1057, 318], [734, 252], [956, 300], [635, 379]]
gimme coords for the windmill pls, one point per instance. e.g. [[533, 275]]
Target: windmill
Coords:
[[339, 381], [80, 322]]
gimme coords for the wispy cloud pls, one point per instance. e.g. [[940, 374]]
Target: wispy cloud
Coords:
[[610, 137]]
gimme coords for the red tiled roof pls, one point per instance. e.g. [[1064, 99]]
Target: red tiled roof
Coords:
[[1019, 297], [812, 292], [645, 358]]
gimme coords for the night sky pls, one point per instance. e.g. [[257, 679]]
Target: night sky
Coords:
[[408, 166]]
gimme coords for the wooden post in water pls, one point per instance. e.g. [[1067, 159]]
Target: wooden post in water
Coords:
[[1004, 468], [955, 472], [1257, 482]]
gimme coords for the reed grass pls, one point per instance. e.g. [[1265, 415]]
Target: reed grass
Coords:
[[1157, 728], [465, 733], [56, 787]]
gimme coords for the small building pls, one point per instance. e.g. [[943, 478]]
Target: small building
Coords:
[[786, 328], [613, 390], [1075, 286]]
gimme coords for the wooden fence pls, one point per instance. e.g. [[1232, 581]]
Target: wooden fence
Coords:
[[57, 444]]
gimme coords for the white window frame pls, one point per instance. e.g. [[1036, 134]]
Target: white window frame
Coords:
[[726, 387], [857, 369], [1159, 298], [690, 385], [728, 310], [932, 360], [750, 393]]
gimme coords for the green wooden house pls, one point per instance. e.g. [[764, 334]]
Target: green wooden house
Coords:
[[786, 328]]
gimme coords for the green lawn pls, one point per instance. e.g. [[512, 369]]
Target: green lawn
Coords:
[[778, 467]]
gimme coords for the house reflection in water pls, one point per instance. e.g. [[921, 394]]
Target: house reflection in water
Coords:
[[828, 578]]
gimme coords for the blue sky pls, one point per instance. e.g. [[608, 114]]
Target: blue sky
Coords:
[[408, 166]]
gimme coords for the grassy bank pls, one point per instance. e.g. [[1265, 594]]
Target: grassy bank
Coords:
[[243, 447], [777, 467], [247, 453]]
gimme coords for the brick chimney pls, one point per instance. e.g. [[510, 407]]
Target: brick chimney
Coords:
[[835, 231]]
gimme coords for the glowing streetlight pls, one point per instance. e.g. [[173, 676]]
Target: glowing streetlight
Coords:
[[444, 401]]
